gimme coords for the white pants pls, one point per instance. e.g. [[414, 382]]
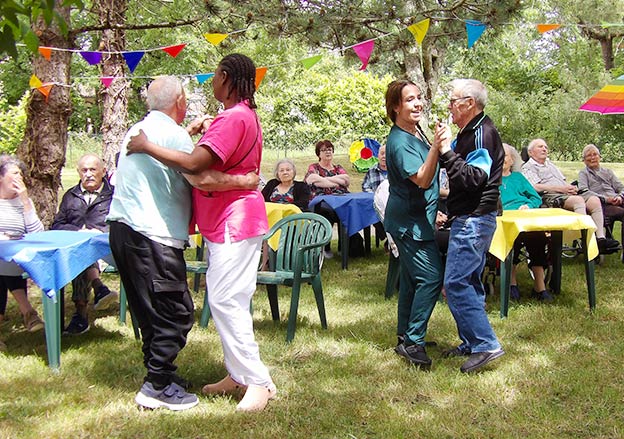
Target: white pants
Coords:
[[230, 284]]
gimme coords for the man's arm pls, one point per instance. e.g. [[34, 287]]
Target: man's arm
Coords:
[[215, 181]]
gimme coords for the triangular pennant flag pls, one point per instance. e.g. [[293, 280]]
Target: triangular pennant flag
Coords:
[[107, 80], [541, 28], [45, 52], [309, 62], [34, 82], [203, 77], [132, 59], [260, 72], [363, 51], [92, 57], [45, 90], [215, 39], [474, 29], [419, 30], [174, 50]]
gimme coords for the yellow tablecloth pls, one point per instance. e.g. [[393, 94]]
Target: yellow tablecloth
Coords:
[[275, 212], [513, 222]]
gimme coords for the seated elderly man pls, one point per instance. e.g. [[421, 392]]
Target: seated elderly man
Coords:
[[548, 180], [603, 183], [84, 207]]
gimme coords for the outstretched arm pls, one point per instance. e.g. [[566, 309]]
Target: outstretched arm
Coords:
[[197, 161]]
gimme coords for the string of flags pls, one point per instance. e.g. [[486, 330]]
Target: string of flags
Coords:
[[363, 50]]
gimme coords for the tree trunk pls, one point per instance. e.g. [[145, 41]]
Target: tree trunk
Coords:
[[115, 97], [45, 138], [606, 44]]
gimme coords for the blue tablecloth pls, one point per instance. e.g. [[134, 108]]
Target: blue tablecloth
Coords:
[[53, 258], [355, 210]]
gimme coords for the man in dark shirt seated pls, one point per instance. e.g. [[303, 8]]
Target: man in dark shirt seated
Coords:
[[84, 207]]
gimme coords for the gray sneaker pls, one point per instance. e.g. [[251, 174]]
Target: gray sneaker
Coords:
[[172, 397]]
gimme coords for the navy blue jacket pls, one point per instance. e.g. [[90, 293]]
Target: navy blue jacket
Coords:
[[74, 212]]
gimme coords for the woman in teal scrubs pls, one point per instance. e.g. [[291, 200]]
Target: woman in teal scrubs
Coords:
[[410, 215]]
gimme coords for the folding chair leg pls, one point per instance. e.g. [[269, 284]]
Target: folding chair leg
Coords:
[[272, 293], [317, 287]]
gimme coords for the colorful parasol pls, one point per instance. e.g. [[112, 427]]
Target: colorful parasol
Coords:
[[608, 100], [363, 154]]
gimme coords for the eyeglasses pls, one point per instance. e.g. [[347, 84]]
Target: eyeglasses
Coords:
[[326, 149], [453, 100]]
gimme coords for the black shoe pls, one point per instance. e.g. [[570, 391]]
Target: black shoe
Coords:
[[104, 298], [458, 351], [480, 359], [77, 325], [416, 354], [542, 296], [607, 246]]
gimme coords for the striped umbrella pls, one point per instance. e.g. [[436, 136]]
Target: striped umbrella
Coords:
[[608, 100]]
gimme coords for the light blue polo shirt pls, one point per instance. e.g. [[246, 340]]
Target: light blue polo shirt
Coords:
[[152, 198]]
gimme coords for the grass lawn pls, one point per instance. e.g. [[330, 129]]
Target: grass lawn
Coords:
[[562, 376]]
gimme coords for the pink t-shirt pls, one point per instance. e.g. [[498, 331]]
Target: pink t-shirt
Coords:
[[235, 137]]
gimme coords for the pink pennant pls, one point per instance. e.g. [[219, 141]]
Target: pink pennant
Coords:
[[174, 50], [107, 80], [363, 51]]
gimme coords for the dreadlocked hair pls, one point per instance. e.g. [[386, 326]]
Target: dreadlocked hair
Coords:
[[242, 73]]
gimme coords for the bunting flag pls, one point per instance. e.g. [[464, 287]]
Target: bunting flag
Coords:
[[45, 52], [215, 39], [92, 58], [45, 90], [543, 28], [474, 29], [363, 51], [419, 30], [203, 77], [174, 50], [309, 62], [133, 59], [34, 82], [107, 80], [260, 72]]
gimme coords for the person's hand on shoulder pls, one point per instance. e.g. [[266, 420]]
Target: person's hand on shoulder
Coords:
[[137, 143]]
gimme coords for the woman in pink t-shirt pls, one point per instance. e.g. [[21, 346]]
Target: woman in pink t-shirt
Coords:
[[233, 223]]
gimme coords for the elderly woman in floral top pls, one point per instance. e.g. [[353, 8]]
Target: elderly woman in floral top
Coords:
[[326, 178]]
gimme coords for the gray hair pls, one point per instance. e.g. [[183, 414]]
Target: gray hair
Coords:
[[473, 88], [517, 160], [90, 154], [163, 92], [588, 148], [534, 142], [282, 161], [6, 161]]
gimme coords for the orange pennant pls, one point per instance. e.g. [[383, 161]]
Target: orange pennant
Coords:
[[45, 90], [260, 72], [45, 52], [541, 28]]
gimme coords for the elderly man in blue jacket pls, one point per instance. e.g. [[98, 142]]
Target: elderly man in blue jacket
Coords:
[[84, 207]]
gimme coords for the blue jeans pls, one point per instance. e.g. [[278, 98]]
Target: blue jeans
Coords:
[[469, 242]]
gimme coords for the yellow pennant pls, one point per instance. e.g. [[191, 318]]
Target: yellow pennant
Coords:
[[35, 82], [419, 30], [215, 39]]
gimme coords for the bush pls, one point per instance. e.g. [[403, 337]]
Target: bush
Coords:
[[12, 124]]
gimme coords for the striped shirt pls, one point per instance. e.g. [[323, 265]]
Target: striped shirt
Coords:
[[15, 221]]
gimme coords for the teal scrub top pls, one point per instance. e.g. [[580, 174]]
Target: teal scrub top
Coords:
[[410, 208]]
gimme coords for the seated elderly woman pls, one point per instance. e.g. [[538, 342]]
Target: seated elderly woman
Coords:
[[603, 183], [546, 178], [326, 178], [17, 217], [518, 194], [284, 189]]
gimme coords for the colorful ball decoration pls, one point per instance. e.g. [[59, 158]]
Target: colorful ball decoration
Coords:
[[363, 154]]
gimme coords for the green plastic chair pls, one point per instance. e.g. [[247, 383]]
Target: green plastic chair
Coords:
[[297, 260]]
